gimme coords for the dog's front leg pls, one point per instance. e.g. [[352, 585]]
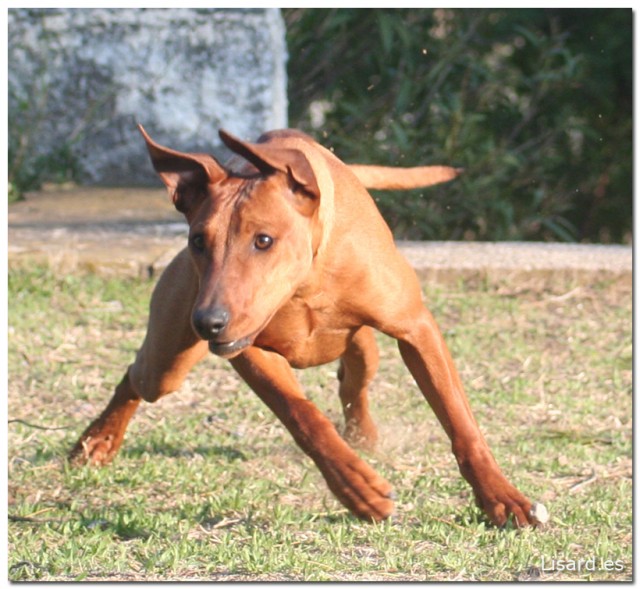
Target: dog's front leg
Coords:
[[352, 480], [170, 350], [426, 355]]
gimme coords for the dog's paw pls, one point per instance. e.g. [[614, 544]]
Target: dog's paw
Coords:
[[507, 503], [494, 494], [360, 488], [361, 435], [96, 450]]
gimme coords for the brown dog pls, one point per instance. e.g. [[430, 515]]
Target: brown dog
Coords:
[[289, 263]]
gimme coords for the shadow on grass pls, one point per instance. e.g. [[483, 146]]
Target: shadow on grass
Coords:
[[45, 456], [230, 453], [124, 527]]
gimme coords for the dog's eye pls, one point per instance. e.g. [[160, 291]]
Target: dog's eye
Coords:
[[263, 242], [197, 242]]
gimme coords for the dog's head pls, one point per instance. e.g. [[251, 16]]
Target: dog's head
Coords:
[[253, 233]]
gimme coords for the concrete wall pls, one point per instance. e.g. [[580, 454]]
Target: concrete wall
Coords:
[[80, 80]]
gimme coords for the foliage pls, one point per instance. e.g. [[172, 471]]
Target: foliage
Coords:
[[534, 104], [27, 169]]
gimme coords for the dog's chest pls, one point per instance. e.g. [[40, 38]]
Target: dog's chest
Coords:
[[306, 335]]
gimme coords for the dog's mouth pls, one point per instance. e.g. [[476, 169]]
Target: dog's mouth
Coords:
[[230, 349]]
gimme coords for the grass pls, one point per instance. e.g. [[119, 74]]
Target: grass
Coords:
[[209, 487]]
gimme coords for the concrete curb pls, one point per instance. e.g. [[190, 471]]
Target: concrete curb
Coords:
[[544, 265]]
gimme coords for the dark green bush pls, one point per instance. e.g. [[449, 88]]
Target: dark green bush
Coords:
[[535, 104], [28, 172]]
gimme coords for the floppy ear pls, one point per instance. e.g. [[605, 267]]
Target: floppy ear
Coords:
[[184, 174], [268, 158]]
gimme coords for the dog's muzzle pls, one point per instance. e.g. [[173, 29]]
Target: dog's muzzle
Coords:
[[211, 322], [229, 349]]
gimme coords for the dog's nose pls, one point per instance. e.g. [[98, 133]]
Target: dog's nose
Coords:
[[210, 322]]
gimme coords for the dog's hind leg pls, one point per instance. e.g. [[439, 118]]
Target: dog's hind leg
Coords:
[[169, 351], [358, 366]]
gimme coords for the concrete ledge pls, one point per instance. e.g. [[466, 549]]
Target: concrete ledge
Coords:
[[547, 265], [133, 232], [137, 232]]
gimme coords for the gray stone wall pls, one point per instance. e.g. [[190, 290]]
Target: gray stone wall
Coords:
[[80, 80]]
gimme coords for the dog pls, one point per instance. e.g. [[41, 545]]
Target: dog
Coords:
[[290, 264]]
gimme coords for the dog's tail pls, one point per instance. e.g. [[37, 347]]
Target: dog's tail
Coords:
[[388, 178]]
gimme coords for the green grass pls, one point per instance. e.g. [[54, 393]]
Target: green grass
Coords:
[[208, 486]]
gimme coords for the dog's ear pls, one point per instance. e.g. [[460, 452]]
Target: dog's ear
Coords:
[[268, 158], [184, 174]]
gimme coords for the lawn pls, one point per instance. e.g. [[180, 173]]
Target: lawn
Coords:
[[209, 486]]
